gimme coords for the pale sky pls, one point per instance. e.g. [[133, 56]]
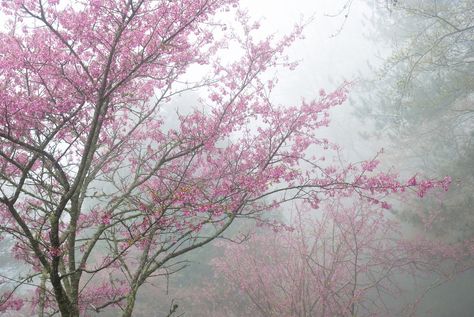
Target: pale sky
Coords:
[[334, 49]]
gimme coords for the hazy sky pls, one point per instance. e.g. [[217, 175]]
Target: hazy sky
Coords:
[[334, 49]]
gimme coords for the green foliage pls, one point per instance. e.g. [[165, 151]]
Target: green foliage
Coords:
[[423, 97]]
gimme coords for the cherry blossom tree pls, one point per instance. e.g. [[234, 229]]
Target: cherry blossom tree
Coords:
[[100, 191], [350, 260]]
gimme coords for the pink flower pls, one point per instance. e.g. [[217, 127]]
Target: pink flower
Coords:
[[412, 181]]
